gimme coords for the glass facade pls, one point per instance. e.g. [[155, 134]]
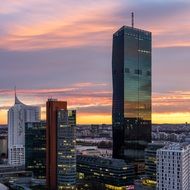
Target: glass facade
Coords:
[[66, 150], [131, 114], [35, 148]]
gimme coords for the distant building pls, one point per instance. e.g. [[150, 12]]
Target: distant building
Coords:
[[3, 147], [93, 151], [113, 173], [8, 172], [131, 113], [60, 146], [150, 159], [88, 150], [173, 163], [18, 115], [35, 148]]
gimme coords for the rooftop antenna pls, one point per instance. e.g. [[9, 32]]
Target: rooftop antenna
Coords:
[[16, 100], [132, 19], [15, 90]]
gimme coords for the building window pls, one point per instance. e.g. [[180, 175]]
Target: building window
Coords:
[[138, 72], [127, 70], [148, 73]]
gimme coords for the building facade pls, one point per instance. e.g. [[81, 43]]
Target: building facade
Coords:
[[151, 160], [18, 115], [173, 163], [60, 146], [35, 148], [131, 111], [12, 173], [113, 173]]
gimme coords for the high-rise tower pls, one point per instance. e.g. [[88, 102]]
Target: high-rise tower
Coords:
[[60, 146], [131, 112], [18, 115]]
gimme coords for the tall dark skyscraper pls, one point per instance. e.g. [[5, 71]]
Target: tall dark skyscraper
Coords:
[[60, 146], [131, 113], [35, 148]]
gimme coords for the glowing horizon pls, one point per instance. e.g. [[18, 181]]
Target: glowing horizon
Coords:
[[167, 107]]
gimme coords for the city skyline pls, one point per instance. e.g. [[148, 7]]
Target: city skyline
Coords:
[[66, 54]]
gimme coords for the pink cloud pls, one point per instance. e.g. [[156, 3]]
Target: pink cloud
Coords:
[[55, 24]]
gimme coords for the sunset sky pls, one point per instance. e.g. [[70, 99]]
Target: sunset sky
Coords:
[[62, 49]]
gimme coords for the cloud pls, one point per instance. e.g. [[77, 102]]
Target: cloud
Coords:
[[171, 102], [170, 69], [87, 98], [167, 106], [167, 20], [69, 92], [56, 24], [55, 68], [4, 107], [89, 84], [96, 109]]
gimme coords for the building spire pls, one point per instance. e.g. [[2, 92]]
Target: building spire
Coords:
[[15, 92], [17, 101]]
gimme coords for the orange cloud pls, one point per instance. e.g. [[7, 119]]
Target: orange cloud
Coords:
[[171, 107], [80, 96], [95, 106], [76, 27], [171, 102]]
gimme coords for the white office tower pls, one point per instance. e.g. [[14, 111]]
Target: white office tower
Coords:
[[18, 115], [173, 167]]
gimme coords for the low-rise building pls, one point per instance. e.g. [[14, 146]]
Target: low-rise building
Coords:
[[9, 172], [114, 173], [150, 159]]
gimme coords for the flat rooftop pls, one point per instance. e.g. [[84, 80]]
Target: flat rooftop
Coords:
[[176, 147]]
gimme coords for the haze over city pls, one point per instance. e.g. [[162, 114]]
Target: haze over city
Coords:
[[62, 49]]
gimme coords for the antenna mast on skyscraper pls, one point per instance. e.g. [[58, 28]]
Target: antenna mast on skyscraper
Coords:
[[132, 19], [15, 90]]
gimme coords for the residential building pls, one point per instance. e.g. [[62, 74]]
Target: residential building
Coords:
[[173, 163]]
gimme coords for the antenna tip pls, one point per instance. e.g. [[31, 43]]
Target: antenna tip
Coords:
[[132, 19]]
